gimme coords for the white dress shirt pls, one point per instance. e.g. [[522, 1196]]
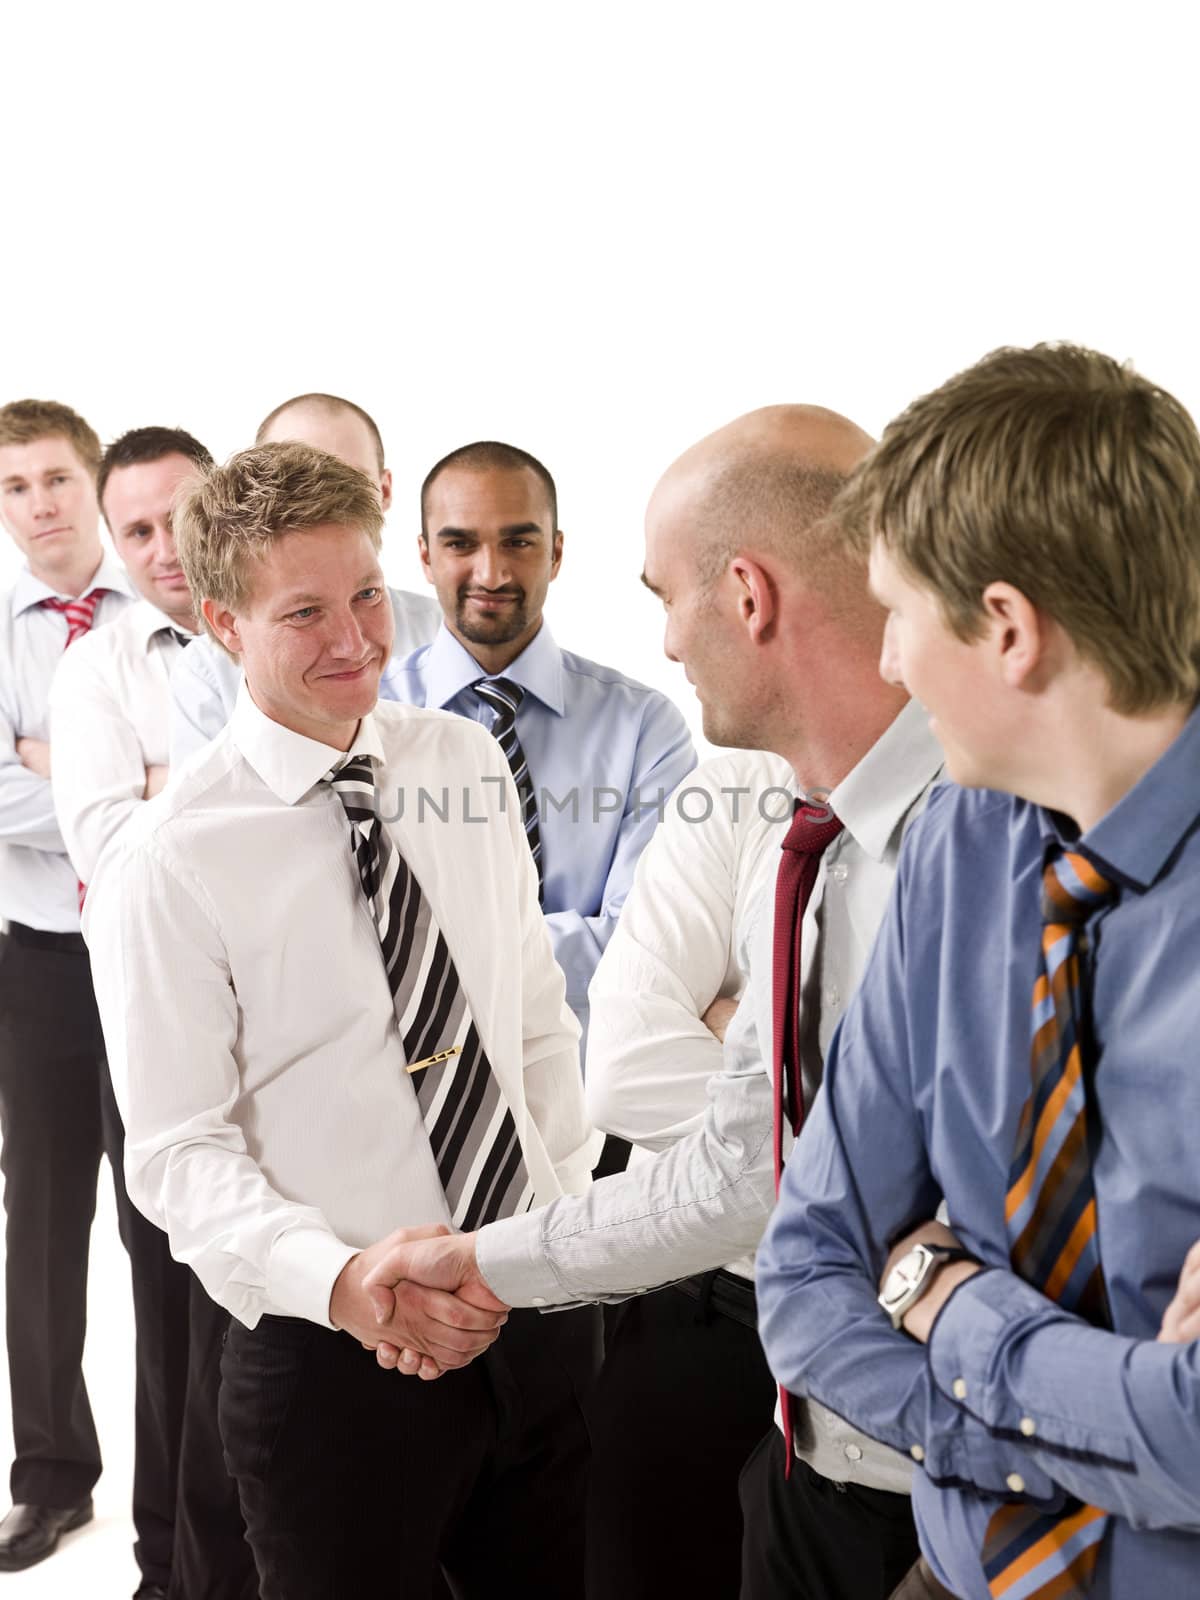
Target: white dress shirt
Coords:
[[109, 711], [38, 885], [270, 1125], [705, 1198]]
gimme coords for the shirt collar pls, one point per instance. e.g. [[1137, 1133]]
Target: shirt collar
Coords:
[[872, 798], [1135, 840], [289, 763], [145, 621], [450, 668], [29, 591]]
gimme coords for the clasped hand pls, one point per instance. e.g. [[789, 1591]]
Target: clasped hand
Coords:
[[417, 1300]]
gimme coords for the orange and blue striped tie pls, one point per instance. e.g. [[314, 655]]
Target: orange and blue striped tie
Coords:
[[1050, 1213]]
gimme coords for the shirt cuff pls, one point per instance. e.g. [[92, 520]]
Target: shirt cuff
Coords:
[[511, 1255], [304, 1266]]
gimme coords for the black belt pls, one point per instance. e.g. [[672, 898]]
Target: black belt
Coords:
[[725, 1292], [37, 939]]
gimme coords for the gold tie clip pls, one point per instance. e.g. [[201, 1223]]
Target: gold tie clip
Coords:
[[432, 1061]]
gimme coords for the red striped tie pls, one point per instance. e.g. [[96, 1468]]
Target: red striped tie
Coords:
[[1050, 1211], [813, 829], [80, 615]]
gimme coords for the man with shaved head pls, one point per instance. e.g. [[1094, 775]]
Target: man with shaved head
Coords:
[[769, 613], [204, 683]]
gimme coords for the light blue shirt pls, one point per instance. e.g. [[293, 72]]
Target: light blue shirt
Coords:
[[205, 680], [605, 753], [924, 1085]]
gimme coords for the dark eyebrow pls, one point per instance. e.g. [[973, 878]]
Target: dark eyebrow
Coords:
[[505, 533]]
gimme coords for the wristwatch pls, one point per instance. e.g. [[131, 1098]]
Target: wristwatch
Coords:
[[912, 1275]]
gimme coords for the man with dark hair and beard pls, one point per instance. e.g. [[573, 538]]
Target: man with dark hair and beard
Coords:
[[594, 754]]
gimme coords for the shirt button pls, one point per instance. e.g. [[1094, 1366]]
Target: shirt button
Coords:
[[917, 1453], [839, 873], [853, 1453], [537, 1301], [1015, 1482], [959, 1386], [832, 997], [1028, 1427]]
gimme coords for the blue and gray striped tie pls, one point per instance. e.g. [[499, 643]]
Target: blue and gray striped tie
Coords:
[[504, 696]]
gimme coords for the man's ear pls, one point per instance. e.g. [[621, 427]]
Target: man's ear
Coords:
[[224, 624], [1019, 635], [556, 559], [385, 489], [757, 599], [423, 552]]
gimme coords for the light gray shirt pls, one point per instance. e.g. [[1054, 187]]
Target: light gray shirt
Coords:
[[705, 1200]]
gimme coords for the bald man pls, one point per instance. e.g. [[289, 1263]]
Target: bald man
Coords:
[[204, 681], [768, 611]]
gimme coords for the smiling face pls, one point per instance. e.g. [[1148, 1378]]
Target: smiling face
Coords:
[[48, 505], [491, 551], [137, 507], [314, 632]]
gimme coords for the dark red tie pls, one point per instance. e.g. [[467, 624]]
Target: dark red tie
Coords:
[[80, 615], [813, 829]]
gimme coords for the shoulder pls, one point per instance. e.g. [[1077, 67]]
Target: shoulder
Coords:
[[405, 728], [417, 617], [205, 659], [595, 681], [90, 659], [964, 836]]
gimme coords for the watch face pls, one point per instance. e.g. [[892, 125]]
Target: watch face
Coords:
[[905, 1277]]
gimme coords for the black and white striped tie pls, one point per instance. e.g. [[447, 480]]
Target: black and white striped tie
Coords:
[[504, 696], [470, 1127]]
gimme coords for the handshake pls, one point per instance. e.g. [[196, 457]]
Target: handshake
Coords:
[[417, 1299]]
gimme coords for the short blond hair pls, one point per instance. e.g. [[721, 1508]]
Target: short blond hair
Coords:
[[1066, 474], [27, 421], [226, 521]]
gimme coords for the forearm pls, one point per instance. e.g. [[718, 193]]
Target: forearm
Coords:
[[691, 1209], [1114, 1421]]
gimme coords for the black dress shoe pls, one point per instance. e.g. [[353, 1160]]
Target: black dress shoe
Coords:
[[29, 1534]]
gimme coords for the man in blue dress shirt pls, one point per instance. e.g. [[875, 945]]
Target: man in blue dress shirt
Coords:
[[1035, 536], [596, 755]]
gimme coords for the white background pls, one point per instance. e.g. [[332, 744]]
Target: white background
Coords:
[[597, 233]]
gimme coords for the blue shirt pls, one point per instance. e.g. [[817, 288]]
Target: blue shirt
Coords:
[[604, 755], [923, 1088]]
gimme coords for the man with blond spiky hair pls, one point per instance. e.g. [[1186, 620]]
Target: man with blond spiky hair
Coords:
[[368, 1034]]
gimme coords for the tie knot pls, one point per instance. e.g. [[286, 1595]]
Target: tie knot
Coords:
[[353, 781], [1072, 890], [813, 829], [79, 612], [502, 693]]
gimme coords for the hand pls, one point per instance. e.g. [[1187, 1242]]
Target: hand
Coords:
[[436, 1325], [1181, 1319], [716, 1019], [156, 780], [919, 1319], [34, 755], [445, 1263]]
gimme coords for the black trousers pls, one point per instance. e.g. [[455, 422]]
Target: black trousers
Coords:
[[684, 1395], [808, 1538], [212, 1557], [57, 1115], [358, 1482]]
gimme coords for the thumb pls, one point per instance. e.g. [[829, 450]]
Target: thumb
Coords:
[[383, 1301]]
